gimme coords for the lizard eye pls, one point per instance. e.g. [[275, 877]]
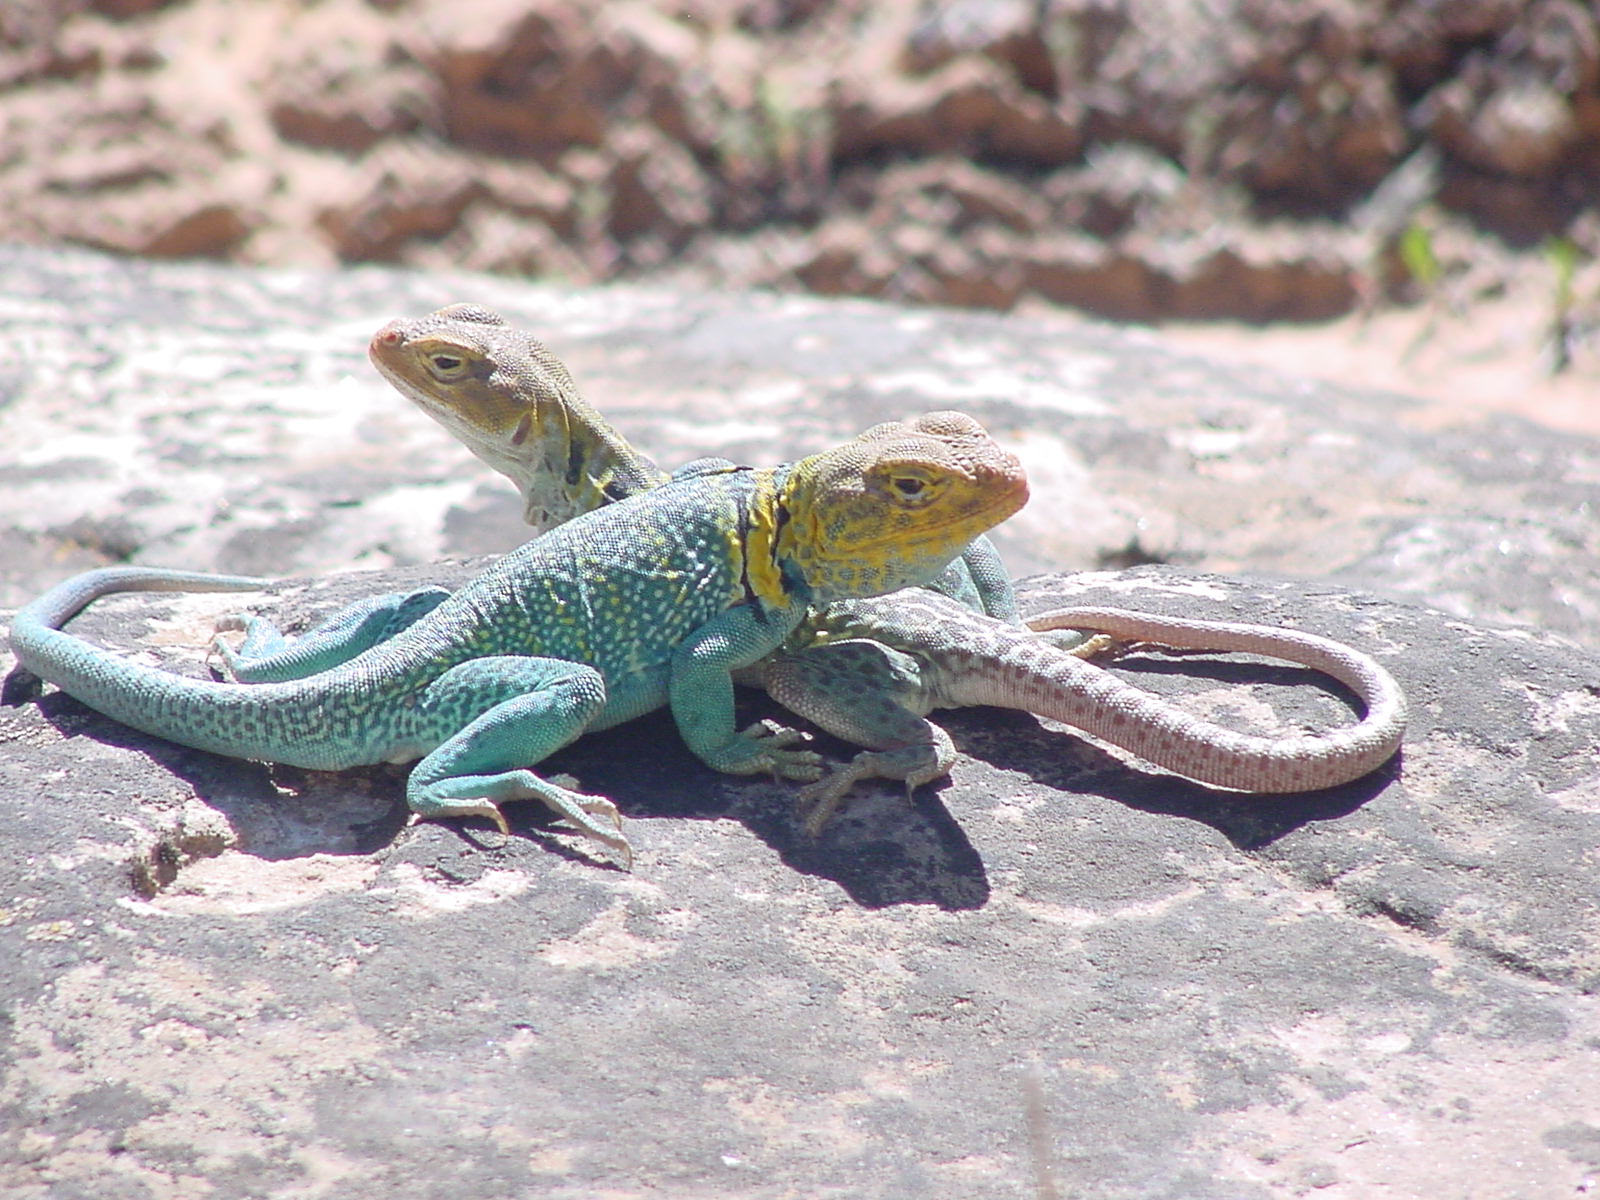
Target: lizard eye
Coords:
[[446, 364], [909, 489]]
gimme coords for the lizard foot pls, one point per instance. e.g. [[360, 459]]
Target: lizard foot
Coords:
[[825, 796], [1081, 644], [1099, 645], [772, 736], [580, 810], [261, 637], [467, 808], [913, 765], [595, 817], [773, 740], [764, 747]]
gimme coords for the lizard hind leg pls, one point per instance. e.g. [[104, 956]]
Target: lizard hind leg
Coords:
[[508, 713], [267, 656], [869, 694]]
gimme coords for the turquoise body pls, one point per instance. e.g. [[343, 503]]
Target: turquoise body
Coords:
[[607, 617], [595, 591]]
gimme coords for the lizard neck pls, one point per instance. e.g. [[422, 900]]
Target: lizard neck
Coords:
[[596, 465], [770, 574]]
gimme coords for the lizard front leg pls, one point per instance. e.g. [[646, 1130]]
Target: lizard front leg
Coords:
[[977, 579], [700, 693]]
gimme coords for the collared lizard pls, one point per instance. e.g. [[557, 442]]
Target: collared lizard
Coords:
[[868, 671], [651, 601]]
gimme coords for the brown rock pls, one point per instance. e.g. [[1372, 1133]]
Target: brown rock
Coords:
[[554, 135], [1252, 280], [1514, 126], [657, 194], [124, 9], [1089, 274], [536, 82], [845, 261], [342, 95], [526, 189], [1010, 32], [970, 107], [211, 231], [1116, 186], [488, 238], [1147, 73], [160, 220], [1521, 210], [981, 268], [408, 191], [767, 16], [128, 174], [957, 195], [1328, 138]]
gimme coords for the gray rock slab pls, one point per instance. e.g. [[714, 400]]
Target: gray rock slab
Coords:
[[219, 418], [1058, 974]]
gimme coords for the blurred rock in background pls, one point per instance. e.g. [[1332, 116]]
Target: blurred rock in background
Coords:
[[1188, 160]]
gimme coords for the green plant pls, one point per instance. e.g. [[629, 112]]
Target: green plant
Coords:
[[1419, 258], [1563, 255]]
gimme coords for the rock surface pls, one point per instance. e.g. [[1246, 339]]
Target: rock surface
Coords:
[[242, 981], [1057, 974]]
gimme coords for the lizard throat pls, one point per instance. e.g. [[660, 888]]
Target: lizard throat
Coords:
[[765, 520]]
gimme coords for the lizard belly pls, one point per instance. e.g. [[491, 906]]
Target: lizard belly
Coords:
[[632, 695]]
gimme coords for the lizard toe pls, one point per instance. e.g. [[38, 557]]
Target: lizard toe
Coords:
[[773, 735]]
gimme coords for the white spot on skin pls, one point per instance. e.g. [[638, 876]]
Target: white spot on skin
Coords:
[[604, 943]]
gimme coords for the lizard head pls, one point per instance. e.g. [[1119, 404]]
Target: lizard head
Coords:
[[473, 373], [513, 403], [893, 507]]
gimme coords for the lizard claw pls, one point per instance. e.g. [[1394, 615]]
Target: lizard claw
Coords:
[[467, 809], [1079, 643], [913, 765], [766, 744], [826, 795], [593, 805], [772, 735]]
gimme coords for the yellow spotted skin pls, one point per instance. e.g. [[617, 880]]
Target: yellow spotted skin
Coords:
[[656, 599]]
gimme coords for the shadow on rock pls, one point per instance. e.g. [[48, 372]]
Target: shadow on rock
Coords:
[[881, 853]]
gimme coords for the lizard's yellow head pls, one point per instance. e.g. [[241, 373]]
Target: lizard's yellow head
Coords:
[[893, 507]]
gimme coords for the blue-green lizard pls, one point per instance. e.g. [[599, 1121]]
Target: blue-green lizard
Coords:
[[868, 670], [654, 600]]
